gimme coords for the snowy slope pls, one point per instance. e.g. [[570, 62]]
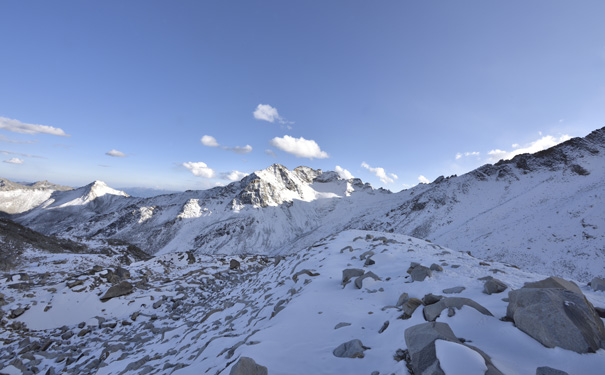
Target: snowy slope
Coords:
[[16, 198], [196, 316]]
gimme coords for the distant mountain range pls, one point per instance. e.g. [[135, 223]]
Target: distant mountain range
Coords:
[[543, 211]]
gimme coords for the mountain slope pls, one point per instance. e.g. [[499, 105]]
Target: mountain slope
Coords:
[[16, 198]]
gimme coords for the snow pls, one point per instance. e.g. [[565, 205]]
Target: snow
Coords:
[[456, 359]]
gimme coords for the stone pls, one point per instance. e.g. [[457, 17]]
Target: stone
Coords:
[[342, 324], [384, 327], [247, 366], [122, 273], [403, 298], [454, 290], [555, 283], [15, 313], [121, 289], [420, 340], [432, 312], [431, 298], [409, 307], [350, 273], [350, 349], [304, 272], [419, 272], [557, 317], [367, 254], [234, 264], [436, 267], [359, 280], [494, 286], [545, 370], [598, 284], [369, 262]]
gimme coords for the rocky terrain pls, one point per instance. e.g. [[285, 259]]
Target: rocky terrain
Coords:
[[17, 198], [357, 302]]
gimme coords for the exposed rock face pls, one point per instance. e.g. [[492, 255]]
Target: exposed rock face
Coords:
[[432, 312], [122, 289], [557, 316], [359, 280], [234, 264], [420, 340], [545, 370], [350, 349], [247, 366], [349, 274]]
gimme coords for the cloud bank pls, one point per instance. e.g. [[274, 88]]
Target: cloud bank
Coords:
[[343, 173], [199, 169], [115, 153], [21, 127], [234, 175], [540, 144], [299, 147], [210, 141], [14, 161], [381, 174]]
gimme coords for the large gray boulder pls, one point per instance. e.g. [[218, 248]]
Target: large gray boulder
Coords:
[[359, 280], [122, 289], [420, 340], [350, 349], [545, 370], [557, 316], [598, 284], [494, 286], [432, 312], [554, 283], [419, 272], [350, 273], [247, 366]]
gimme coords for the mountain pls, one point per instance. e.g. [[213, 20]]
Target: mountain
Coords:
[[20, 197], [142, 192], [540, 212]]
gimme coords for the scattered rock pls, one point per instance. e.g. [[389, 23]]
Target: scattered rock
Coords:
[[234, 264], [303, 272], [419, 272], [75, 283], [359, 280], [431, 298], [545, 370], [247, 366], [454, 290], [384, 327], [598, 284], [403, 298], [350, 248], [15, 313], [436, 267], [122, 273], [494, 286], [342, 324], [369, 262], [433, 311], [409, 307], [122, 289], [554, 314], [350, 349], [367, 254]]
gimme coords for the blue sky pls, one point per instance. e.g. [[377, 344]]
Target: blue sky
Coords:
[[380, 89]]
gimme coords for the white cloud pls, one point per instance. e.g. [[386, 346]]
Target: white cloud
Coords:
[[209, 141], [14, 161], [21, 127], [515, 145], [266, 113], [467, 154], [381, 174], [270, 152], [240, 150], [7, 140], [423, 180], [234, 175], [540, 144], [5, 152], [299, 147], [115, 154], [199, 169], [343, 173]]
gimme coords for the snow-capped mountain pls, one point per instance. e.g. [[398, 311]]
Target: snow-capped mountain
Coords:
[[540, 212], [17, 198]]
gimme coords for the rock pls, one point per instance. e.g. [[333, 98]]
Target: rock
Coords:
[[350, 248], [545, 370], [367, 254], [403, 298], [384, 327], [557, 316], [454, 290], [433, 311], [598, 284], [234, 265], [277, 259], [359, 280], [350, 349], [494, 286], [122, 289], [430, 298], [420, 340], [84, 332], [350, 273], [342, 324], [600, 311], [17, 312], [409, 307], [436, 267], [75, 283], [556, 283], [419, 272], [304, 272], [369, 262], [67, 335], [247, 366], [122, 273]]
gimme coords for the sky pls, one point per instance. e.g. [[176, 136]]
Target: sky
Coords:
[[193, 94]]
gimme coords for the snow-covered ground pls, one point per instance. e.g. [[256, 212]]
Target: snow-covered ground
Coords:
[[196, 316]]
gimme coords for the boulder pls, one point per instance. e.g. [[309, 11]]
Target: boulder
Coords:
[[598, 284], [454, 290], [304, 272], [545, 370], [247, 366], [436, 267], [122, 289], [494, 286], [419, 272], [432, 312], [409, 307], [234, 264], [555, 283], [557, 317], [350, 273], [420, 340], [359, 280], [403, 298], [122, 273], [431, 298], [350, 349], [369, 262]]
